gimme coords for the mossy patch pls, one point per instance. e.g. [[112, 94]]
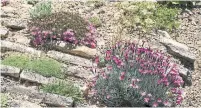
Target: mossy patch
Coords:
[[44, 66], [64, 89]]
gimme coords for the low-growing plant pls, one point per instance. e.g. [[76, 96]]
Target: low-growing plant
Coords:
[[41, 9], [148, 16], [137, 76], [62, 26], [64, 89], [95, 21], [4, 100], [44, 66]]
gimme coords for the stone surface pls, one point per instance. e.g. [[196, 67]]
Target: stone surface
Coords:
[[81, 51], [78, 71], [21, 90], [6, 45], [3, 32], [37, 78], [177, 49], [57, 100], [67, 58], [17, 24], [186, 75], [163, 33], [19, 39], [26, 104], [11, 71]]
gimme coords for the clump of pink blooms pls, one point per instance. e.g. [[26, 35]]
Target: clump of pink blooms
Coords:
[[41, 37], [137, 75]]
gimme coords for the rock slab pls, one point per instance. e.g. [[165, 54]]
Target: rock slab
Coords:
[[177, 49], [78, 71], [67, 58], [57, 100], [7, 45], [37, 78], [11, 71]]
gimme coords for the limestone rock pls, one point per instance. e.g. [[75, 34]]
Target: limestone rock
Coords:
[[21, 90], [78, 71], [177, 49], [67, 58], [57, 100], [11, 71], [37, 78], [81, 51], [4, 32], [16, 24], [186, 75], [164, 34], [6, 45]]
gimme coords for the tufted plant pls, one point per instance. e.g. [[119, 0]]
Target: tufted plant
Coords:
[[137, 76], [62, 26]]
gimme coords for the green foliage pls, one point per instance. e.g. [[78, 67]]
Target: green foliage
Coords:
[[4, 100], [41, 9], [64, 89], [165, 18], [95, 21], [148, 16], [44, 66]]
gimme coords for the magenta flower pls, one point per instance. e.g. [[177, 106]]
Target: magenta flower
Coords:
[[96, 59], [146, 99], [155, 104], [159, 100], [108, 96], [143, 93], [166, 103], [122, 76]]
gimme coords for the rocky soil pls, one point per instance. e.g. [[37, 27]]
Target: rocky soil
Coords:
[[184, 45]]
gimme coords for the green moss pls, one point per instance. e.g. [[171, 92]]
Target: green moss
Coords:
[[64, 89], [44, 66], [95, 21], [4, 100]]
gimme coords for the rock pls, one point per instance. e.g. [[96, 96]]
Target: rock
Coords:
[[26, 104], [6, 45], [7, 9], [37, 78], [186, 75], [21, 90], [78, 71], [20, 39], [177, 49], [11, 71], [4, 32], [81, 51], [55, 100], [84, 51], [164, 34], [67, 58], [17, 24]]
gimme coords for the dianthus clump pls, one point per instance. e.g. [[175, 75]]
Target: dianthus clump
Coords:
[[67, 27], [137, 76]]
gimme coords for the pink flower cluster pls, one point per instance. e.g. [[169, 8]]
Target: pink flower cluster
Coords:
[[69, 36], [143, 67]]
